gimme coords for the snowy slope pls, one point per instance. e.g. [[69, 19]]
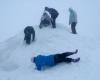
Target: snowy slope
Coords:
[[15, 56]]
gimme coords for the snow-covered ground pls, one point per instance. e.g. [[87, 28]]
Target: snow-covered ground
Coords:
[[15, 55]]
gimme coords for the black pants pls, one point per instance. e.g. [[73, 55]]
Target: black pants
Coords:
[[53, 22], [63, 57], [73, 27], [29, 37]]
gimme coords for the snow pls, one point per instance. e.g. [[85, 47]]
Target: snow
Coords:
[[15, 55]]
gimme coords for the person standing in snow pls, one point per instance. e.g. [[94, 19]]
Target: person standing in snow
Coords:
[[29, 34], [43, 61], [73, 20], [54, 14], [45, 20]]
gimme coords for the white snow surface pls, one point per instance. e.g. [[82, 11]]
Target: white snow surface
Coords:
[[15, 55]]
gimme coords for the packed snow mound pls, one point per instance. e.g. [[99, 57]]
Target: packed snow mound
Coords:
[[15, 55]]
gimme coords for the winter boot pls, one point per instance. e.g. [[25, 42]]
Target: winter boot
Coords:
[[76, 60], [76, 51]]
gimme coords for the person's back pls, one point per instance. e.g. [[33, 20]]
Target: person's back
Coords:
[[28, 31], [73, 20], [43, 61], [52, 11], [73, 16]]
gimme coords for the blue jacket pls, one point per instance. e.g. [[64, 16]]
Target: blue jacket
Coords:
[[44, 61]]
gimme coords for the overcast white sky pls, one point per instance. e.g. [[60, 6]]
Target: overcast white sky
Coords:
[[17, 14]]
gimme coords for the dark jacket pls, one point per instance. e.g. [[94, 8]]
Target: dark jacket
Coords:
[[54, 13], [28, 31], [44, 61]]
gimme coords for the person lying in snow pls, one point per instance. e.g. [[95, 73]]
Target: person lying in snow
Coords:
[[42, 61]]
